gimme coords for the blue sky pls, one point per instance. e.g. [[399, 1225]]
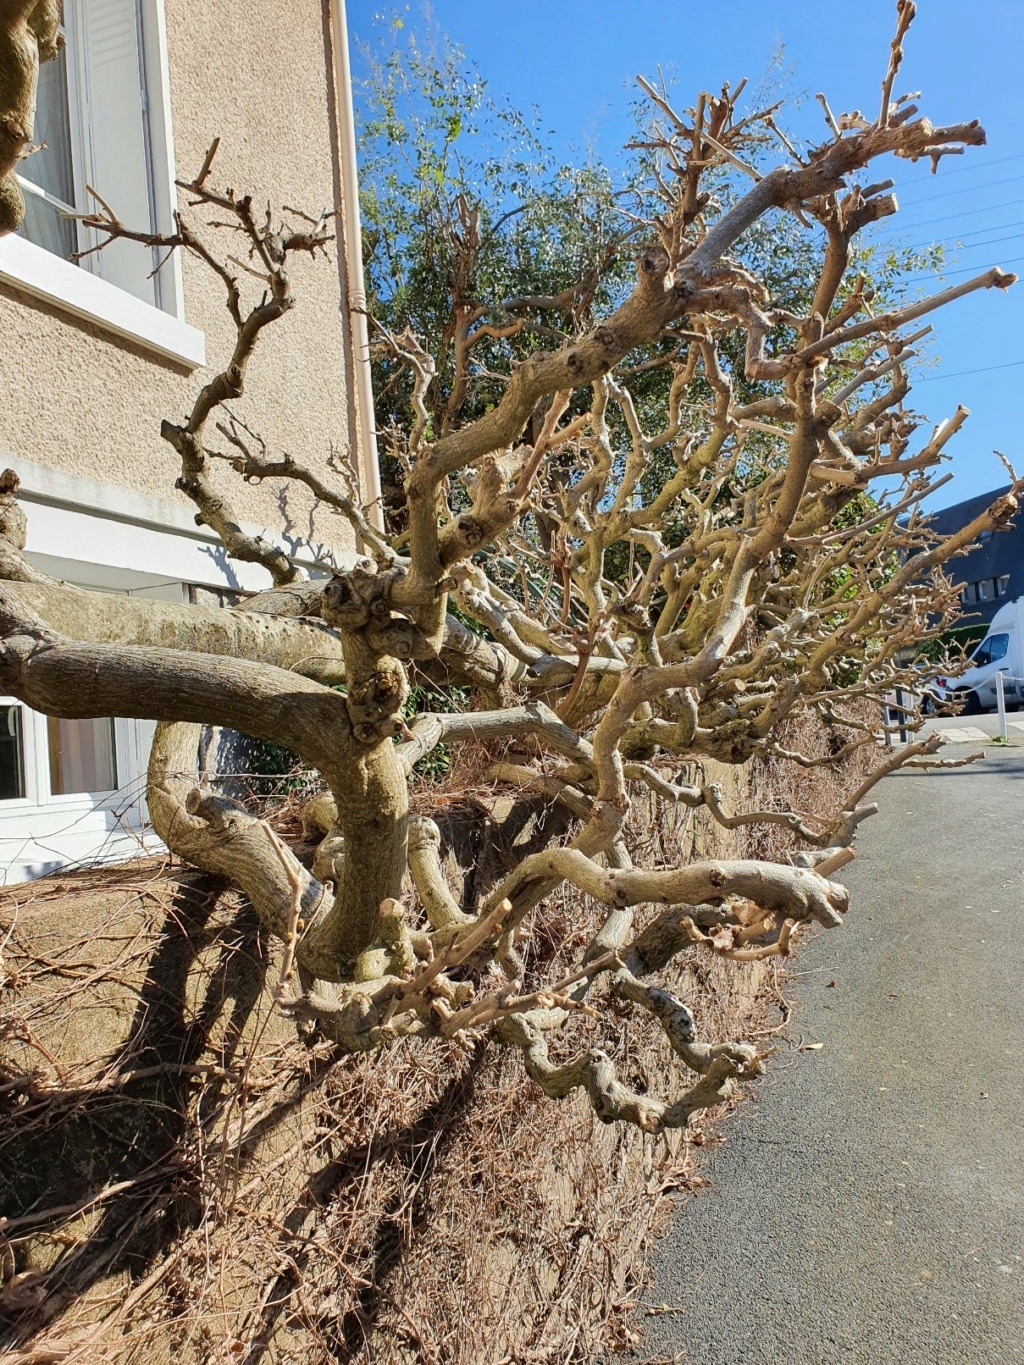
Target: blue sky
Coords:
[[577, 63]]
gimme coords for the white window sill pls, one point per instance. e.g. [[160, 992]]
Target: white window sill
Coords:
[[45, 276]]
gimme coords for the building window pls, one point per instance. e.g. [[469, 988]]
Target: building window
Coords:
[[82, 756], [12, 754], [47, 176], [93, 115], [79, 756], [985, 590]]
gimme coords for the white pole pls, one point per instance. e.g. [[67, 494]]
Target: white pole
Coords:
[[1001, 705]]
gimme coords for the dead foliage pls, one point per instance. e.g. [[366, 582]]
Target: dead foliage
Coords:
[[183, 1177]]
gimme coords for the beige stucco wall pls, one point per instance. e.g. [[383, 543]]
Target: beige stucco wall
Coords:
[[85, 401]]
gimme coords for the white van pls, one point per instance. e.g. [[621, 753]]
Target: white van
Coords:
[[1001, 651]]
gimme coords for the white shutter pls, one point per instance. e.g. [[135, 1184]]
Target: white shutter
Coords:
[[114, 132]]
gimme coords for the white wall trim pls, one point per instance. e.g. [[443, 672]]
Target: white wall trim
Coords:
[[159, 536], [45, 276], [354, 302], [42, 484], [156, 60]]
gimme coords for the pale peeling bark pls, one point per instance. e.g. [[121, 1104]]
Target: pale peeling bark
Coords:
[[62, 678], [308, 647], [220, 837], [620, 594]]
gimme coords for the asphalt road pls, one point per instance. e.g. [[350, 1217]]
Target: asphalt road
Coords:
[[868, 1204]]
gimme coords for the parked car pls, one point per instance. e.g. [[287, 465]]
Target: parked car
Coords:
[[1001, 651]]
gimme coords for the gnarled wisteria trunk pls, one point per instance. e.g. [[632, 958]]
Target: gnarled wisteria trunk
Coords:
[[608, 626]]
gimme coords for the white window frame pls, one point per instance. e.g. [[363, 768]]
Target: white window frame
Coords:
[[38, 272], [29, 759], [42, 832], [128, 759], [89, 800], [36, 760]]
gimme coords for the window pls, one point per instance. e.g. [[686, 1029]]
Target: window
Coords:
[[46, 176], [93, 115], [81, 756], [12, 754], [990, 650], [985, 590], [104, 113]]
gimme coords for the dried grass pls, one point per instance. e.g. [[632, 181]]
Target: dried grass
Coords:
[[185, 1180]]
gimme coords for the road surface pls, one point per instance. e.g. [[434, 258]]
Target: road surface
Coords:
[[868, 1204], [976, 729]]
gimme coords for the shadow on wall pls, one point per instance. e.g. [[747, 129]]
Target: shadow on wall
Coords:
[[149, 1090], [121, 1134]]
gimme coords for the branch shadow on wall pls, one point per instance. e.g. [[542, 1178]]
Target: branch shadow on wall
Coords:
[[101, 1177]]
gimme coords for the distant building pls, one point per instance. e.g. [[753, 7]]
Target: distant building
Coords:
[[991, 574]]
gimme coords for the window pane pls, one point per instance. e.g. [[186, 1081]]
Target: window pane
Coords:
[[12, 754], [990, 650], [986, 592], [81, 756], [112, 63], [44, 225], [997, 647], [50, 167]]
